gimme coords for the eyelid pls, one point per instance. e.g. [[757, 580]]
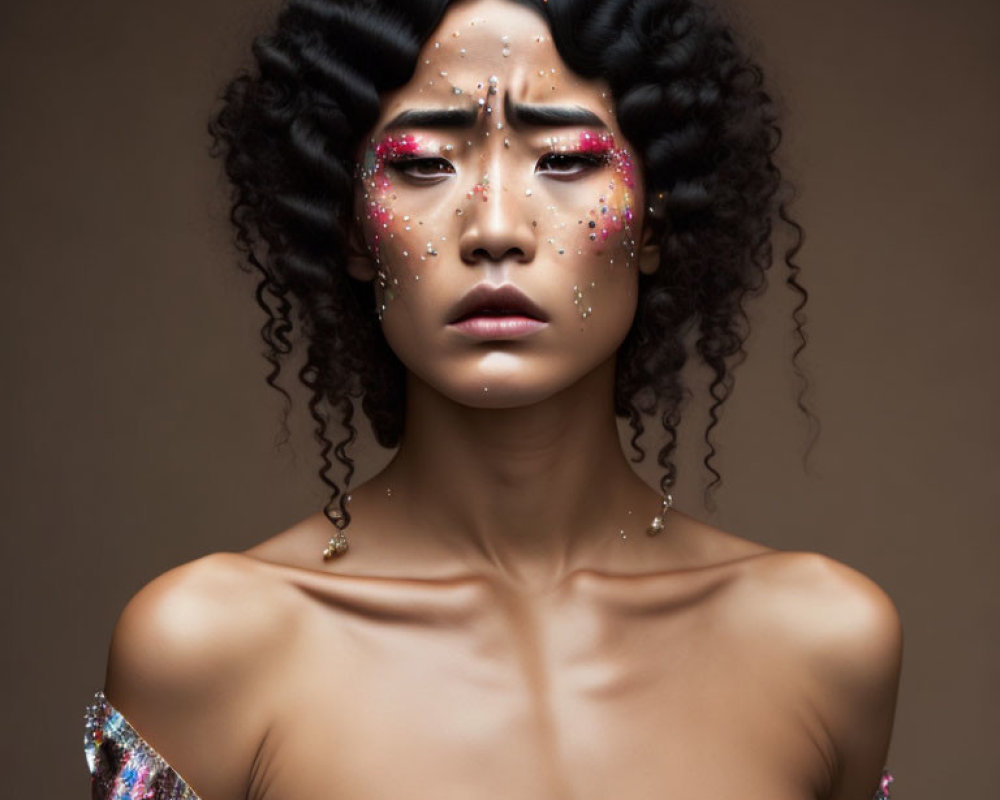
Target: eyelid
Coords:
[[581, 158], [401, 163]]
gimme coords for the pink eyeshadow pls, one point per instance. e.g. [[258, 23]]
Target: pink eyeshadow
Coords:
[[391, 147]]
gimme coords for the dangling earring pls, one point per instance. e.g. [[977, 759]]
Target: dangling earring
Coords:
[[656, 526], [338, 544]]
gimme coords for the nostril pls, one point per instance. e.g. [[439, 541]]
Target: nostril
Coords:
[[484, 254]]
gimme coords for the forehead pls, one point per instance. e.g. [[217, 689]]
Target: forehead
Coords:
[[499, 43]]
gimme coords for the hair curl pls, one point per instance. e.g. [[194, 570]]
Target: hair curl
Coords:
[[690, 101]]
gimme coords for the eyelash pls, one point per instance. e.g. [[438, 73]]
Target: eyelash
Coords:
[[584, 160], [577, 163], [403, 165]]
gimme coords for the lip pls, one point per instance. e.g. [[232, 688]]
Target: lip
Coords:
[[498, 327], [503, 305]]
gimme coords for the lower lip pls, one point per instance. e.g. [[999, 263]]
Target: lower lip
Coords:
[[498, 327]]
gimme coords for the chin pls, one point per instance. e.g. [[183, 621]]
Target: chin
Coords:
[[502, 389], [498, 393]]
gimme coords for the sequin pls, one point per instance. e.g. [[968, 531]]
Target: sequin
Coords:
[[122, 765], [884, 786]]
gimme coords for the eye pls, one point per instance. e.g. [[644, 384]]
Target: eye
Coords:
[[569, 165], [423, 170]]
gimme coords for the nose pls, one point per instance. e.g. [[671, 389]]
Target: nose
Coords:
[[498, 224]]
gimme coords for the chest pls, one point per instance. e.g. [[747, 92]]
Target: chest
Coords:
[[572, 701]]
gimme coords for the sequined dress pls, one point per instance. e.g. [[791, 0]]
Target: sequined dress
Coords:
[[124, 767]]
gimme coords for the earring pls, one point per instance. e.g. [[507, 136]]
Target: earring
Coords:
[[656, 526], [338, 544]]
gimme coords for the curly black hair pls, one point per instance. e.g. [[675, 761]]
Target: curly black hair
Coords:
[[689, 100]]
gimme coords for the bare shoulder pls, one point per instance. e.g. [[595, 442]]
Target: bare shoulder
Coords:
[[195, 621], [186, 654], [831, 613], [836, 635]]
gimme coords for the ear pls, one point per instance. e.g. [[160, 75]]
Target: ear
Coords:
[[649, 252], [360, 262]]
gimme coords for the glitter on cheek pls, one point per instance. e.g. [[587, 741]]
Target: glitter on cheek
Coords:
[[378, 186], [583, 306], [613, 214], [381, 222]]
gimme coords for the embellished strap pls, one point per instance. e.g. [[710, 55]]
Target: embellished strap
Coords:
[[883, 786], [122, 765]]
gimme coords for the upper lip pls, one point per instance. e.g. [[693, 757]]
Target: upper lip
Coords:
[[486, 300]]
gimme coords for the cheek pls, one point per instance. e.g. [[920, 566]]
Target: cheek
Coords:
[[610, 221], [401, 239]]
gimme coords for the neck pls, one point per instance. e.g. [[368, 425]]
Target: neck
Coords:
[[531, 492]]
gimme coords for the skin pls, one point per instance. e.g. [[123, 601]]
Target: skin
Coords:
[[502, 626]]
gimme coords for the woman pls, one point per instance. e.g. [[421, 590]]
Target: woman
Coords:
[[495, 223]]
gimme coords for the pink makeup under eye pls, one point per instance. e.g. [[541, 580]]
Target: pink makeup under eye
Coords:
[[377, 183], [613, 214], [603, 145]]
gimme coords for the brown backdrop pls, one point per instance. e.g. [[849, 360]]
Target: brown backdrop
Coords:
[[138, 431]]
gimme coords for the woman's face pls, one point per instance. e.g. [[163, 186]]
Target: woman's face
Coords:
[[503, 208]]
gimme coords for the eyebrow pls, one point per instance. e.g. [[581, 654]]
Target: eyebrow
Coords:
[[517, 114], [551, 116], [434, 118]]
